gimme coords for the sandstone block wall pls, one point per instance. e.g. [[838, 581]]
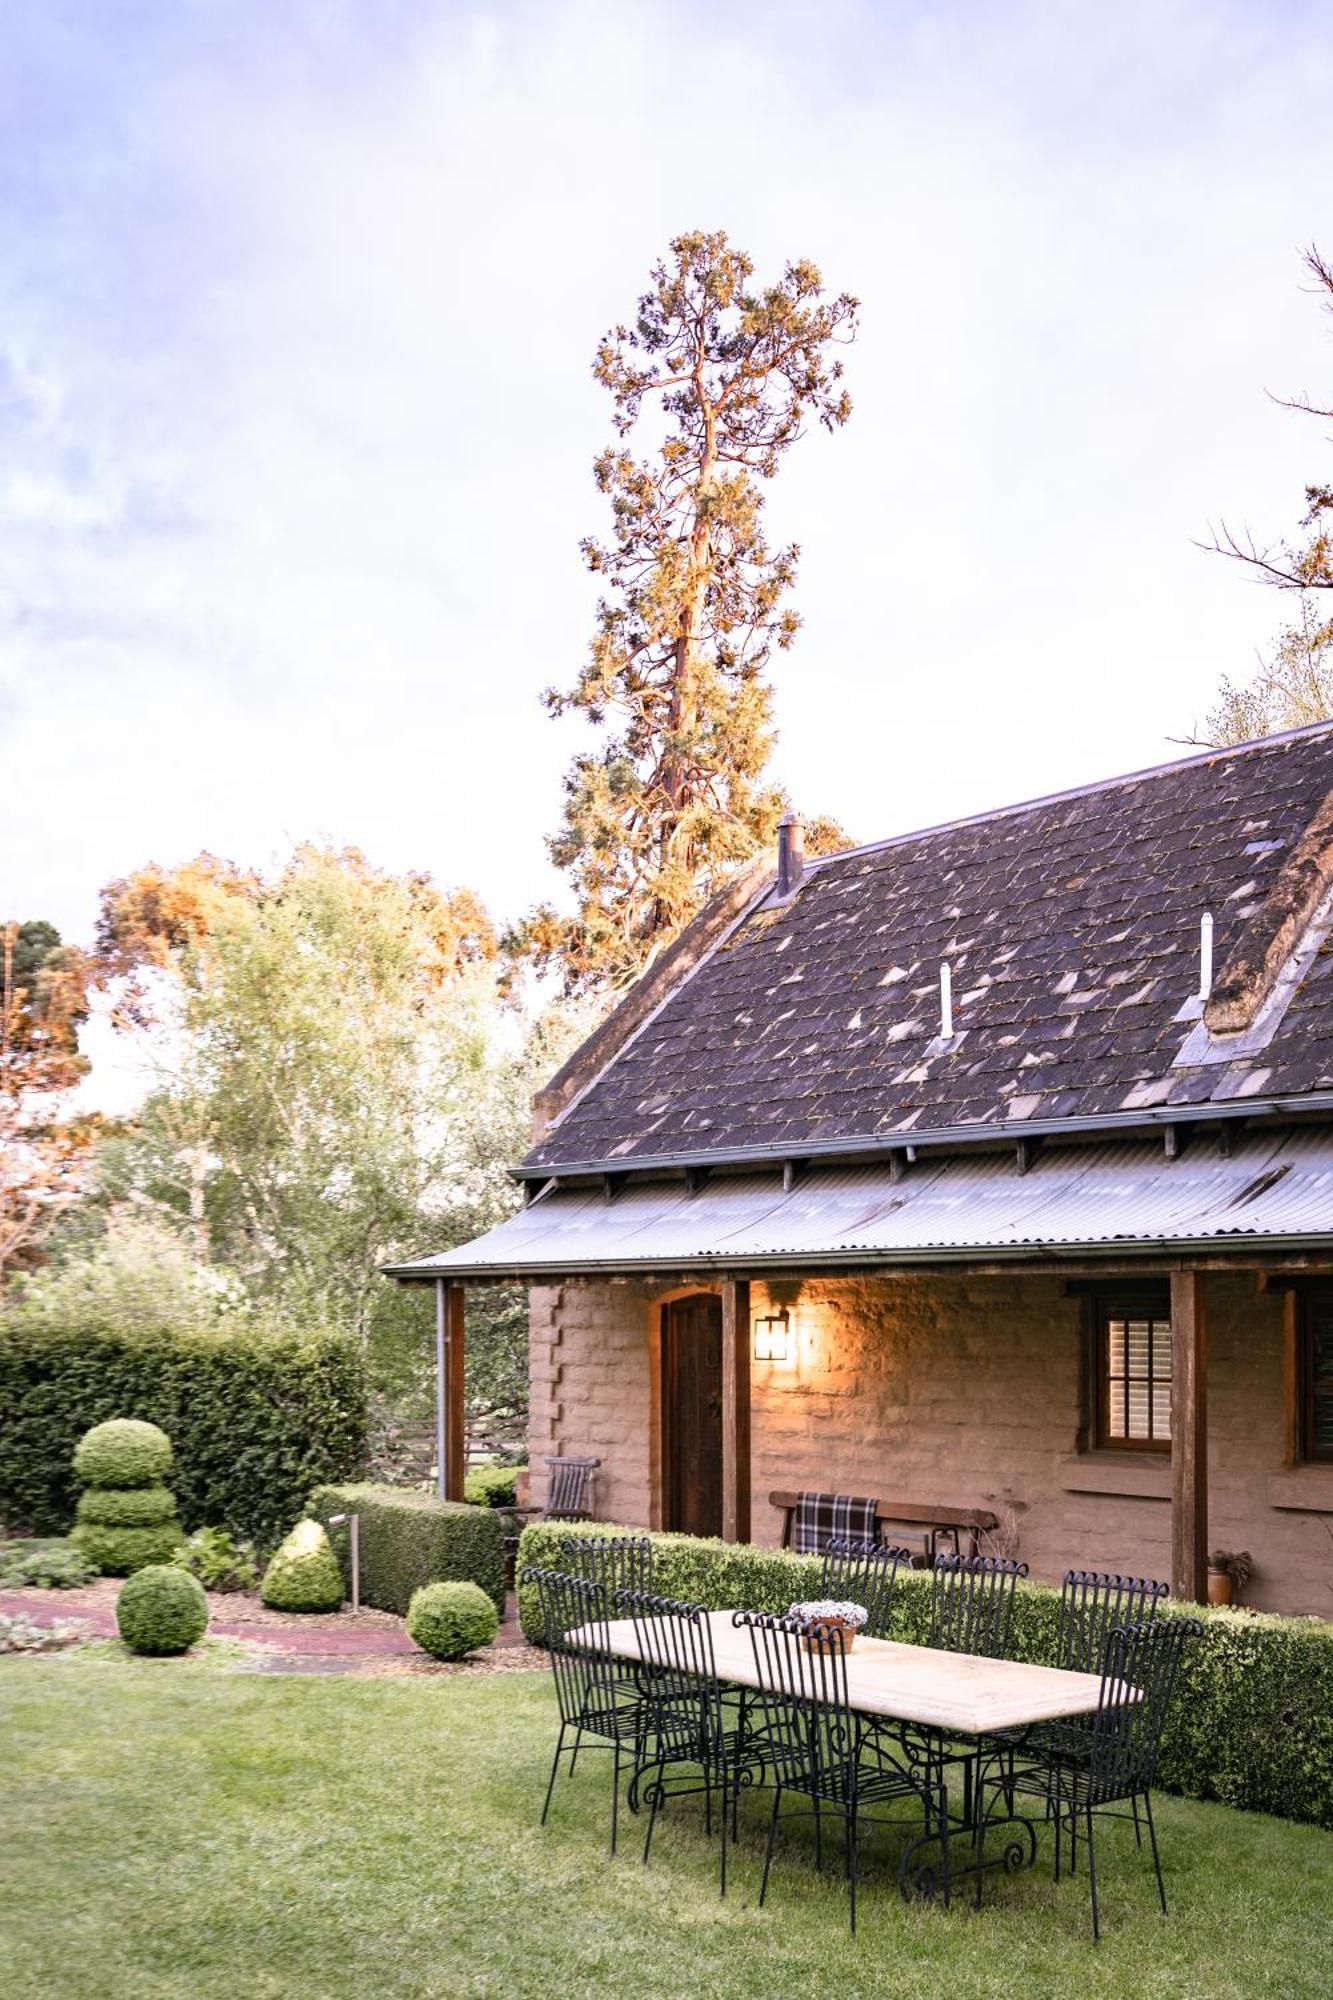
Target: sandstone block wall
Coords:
[[956, 1389]]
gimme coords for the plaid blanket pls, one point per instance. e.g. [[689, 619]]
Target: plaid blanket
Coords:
[[821, 1518]]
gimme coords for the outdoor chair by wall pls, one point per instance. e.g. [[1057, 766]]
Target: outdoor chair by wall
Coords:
[[1114, 1761], [569, 1492], [816, 1745], [864, 1573], [594, 1695]]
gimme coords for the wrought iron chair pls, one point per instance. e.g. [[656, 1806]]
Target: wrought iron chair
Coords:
[[691, 1743], [595, 1696], [816, 1745], [972, 1604], [864, 1573], [569, 1493], [1114, 1760], [617, 1562]]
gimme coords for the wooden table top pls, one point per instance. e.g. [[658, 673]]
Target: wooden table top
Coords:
[[955, 1691]]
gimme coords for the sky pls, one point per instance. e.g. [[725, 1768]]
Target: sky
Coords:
[[297, 309]]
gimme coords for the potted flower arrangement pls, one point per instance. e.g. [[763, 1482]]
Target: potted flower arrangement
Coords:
[[837, 1624], [1228, 1575]]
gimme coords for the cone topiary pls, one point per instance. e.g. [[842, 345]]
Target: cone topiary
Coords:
[[451, 1619], [304, 1574], [162, 1609], [126, 1517]]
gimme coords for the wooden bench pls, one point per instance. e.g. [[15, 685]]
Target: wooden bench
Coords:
[[932, 1521]]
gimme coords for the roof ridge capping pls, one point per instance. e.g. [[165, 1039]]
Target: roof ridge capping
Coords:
[[1272, 933], [650, 991], [1220, 754]]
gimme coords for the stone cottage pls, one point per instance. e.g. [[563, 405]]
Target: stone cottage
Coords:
[[983, 1168]]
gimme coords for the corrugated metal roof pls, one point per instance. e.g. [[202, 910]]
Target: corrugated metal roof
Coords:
[[1274, 1187]]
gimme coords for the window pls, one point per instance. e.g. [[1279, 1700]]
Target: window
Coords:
[[1316, 1376], [1133, 1370]]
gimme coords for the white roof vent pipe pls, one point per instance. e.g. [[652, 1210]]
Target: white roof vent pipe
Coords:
[[1205, 955], [946, 1002], [791, 855]]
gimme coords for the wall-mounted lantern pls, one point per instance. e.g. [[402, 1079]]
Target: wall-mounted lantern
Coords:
[[772, 1336]]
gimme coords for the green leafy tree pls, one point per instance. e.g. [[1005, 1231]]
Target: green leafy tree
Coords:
[[1293, 687], [351, 1089], [1294, 684], [719, 377]]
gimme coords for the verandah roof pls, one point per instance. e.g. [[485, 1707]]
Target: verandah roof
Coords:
[[1274, 1188]]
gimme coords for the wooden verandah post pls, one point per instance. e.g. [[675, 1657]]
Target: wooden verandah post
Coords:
[[450, 1355], [1189, 1437], [735, 1410]]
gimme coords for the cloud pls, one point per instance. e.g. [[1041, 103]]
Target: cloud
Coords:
[[296, 420]]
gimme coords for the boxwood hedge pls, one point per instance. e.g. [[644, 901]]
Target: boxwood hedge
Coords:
[[257, 1414], [1252, 1724], [409, 1539]]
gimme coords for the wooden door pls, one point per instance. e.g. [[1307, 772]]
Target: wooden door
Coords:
[[692, 1414]]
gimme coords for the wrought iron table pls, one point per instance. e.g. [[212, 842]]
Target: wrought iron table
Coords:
[[943, 1696]]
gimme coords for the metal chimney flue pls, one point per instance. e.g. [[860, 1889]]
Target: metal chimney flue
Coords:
[[791, 854]]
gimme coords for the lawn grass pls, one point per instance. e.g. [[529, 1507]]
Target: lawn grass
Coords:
[[212, 1833]]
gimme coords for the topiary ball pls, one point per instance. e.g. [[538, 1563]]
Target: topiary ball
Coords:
[[121, 1551], [304, 1574], [161, 1610], [124, 1452], [451, 1619]]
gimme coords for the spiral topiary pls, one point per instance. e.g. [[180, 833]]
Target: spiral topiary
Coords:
[[451, 1619], [126, 1518], [304, 1574], [161, 1609]]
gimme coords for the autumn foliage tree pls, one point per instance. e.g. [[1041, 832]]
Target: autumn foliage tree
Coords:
[[43, 1152], [711, 387]]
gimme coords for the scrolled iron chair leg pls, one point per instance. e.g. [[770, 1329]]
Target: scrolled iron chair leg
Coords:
[[1092, 1879], [768, 1851]]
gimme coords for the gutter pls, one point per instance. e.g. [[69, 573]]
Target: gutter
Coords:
[[1109, 1125]]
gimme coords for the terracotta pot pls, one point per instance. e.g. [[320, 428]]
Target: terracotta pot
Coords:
[[836, 1632], [1220, 1589]]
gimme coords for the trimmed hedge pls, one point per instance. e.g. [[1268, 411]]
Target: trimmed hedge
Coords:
[[450, 1620], [409, 1539], [492, 1485], [161, 1610], [257, 1415], [1252, 1723]]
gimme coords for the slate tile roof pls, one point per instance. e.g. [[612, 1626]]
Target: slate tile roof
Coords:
[[1072, 929]]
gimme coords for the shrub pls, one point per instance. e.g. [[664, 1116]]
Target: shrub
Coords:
[[218, 1560], [410, 1539], [492, 1485], [24, 1635], [123, 1453], [451, 1619], [1252, 1723], [121, 1551], [304, 1574], [129, 1507], [51, 1565], [259, 1414], [161, 1610], [124, 1521]]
